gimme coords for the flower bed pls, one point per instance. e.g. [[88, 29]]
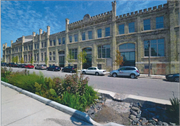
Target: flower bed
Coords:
[[72, 91]]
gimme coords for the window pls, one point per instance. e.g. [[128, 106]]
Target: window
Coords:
[[54, 58], [75, 37], [147, 24], [99, 32], [45, 55], [83, 36], [50, 43], [131, 27], [63, 40], [49, 58], [54, 42], [42, 44], [70, 38], [99, 66], [34, 57], [37, 56], [121, 29], [38, 46], [73, 53], [107, 31], [54, 53], [104, 51], [59, 41], [41, 56], [89, 34], [156, 47], [159, 22], [50, 53]]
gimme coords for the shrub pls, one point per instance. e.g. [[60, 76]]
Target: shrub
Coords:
[[173, 110]]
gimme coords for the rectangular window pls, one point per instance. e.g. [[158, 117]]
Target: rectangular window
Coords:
[[50, 53], [35, 46], [107, 31], [54, 58], [147, 24], [156, 48], [63, 40], [50, 58], [59, 41], [38, 46], [121, 29], [99, 32], [76, 37], [50, 43], [44, 44], [54, 42], [41, 56], [159, 22], [45, 55], [34, 57], [89, 34], [54, 53], [83, 36], [73, 53], [104, 51], [131, 27], [70, 39]]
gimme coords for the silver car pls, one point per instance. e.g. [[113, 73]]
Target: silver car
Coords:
[[130, 71], [41, 66]]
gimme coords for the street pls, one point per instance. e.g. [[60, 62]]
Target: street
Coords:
[[154, 88]]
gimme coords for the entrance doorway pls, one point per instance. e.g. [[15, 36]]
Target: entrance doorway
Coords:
[[88, 57], [128, 53], [61, 58]]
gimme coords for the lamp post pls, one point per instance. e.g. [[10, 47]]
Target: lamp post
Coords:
[[149, 72]]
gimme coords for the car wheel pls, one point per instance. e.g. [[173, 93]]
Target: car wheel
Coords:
[[132, 76], [176, 79], [96, 73], [114, 75], [83, 72]]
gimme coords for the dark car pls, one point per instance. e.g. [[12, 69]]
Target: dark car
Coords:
[[10, 64], [173, 77], [16, 65], [70, 69], [54, 68], [22, 65], [3, 64]]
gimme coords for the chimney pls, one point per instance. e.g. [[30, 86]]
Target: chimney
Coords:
[[48, 30], [34, 33]]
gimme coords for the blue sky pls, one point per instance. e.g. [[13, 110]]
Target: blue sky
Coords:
[[20, 18]]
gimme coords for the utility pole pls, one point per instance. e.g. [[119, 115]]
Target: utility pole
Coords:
[[149, 72]]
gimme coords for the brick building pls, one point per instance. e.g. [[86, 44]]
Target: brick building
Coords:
[[101, 35]]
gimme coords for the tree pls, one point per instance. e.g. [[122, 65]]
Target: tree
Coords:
[[13, 59], [16, 59], [82, 57], [32, 60], [22, 60], [46, 60], [119, 58]]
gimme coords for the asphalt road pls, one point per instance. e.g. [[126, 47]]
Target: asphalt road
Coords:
[[154, 88]]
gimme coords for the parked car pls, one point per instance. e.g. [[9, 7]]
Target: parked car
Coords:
[[16, 65], [22, 65], [130, 71], [173, 77], [70, 69], [93, 70], [10, 64], [3, 64], [41, 66], [29, 66], [54, 68]]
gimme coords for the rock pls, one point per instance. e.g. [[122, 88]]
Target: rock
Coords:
[[160, 123], [139, 104], [165, 124], [133, 117], [135, 105], [172, 124], [133, 112], [135, 108], [91, 111], [149, 124]]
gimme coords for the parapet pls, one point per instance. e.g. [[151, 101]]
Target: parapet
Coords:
[[144, 11], [89, 20]]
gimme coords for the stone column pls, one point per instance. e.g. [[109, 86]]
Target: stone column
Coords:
[[94, 33], [47, 45], [11, 51], [79, 65], [113, 27], [66, 43], [94, 55]]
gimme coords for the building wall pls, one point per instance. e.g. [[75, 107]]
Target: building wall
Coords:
[[160, 65]]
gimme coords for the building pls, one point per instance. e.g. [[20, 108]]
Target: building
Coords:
[[101, 35]]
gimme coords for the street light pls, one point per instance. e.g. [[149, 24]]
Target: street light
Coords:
[[149, 72]]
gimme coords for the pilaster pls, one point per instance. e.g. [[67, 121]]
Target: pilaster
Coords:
[[47, 45], [56, 52]]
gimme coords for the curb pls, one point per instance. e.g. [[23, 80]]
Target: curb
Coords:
[[121, 97], [73, 112]]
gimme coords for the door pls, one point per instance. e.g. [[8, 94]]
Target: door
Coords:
[[88, 57], [121, 72]]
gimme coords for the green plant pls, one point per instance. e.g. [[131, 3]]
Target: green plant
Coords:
[[173, 110]]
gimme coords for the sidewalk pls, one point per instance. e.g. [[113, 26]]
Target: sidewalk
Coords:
[[20, 110], [152, 76]]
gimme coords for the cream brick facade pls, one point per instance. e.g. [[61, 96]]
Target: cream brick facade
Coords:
[[50, 45]]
